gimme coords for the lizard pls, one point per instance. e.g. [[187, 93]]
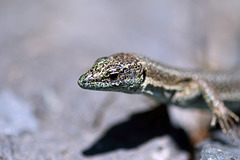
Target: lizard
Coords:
[[137, 74]]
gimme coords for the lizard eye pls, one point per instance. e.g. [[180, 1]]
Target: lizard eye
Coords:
[[113, 76]]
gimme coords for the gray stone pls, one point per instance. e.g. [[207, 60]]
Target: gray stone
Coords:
[[7, 147], [217, 151], [162, 148], [16, 115], [46, 45], [219, 147]]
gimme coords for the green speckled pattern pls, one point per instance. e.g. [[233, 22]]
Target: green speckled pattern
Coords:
[[119, 72]]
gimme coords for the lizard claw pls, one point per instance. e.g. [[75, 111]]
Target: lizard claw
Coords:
[[225, 119], [214, 120], [221, 113]]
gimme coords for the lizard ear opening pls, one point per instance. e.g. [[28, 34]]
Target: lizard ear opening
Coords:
[[186, 80], [143, 75]]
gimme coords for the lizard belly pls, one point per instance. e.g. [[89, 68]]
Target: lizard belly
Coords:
[[158, 93]]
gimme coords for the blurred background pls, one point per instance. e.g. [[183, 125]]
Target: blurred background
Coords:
[[46, 45]]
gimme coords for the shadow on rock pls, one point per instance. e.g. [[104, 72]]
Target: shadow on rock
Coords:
[[138, 129]]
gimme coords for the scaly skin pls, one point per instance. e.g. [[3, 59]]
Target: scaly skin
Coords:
[[131, 73]]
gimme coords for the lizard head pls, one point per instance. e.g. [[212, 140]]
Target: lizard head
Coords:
[[120, 72]]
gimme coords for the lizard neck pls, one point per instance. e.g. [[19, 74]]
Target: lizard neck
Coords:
[[161, 81]]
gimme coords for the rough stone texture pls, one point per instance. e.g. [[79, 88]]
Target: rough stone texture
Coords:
[[219, 147], [15, 115], [220, 152], [46, 45], [155, 149]]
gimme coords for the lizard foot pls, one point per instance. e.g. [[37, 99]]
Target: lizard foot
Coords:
[[225, 118]]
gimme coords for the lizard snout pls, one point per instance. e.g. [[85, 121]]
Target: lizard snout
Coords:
[[82, 82]]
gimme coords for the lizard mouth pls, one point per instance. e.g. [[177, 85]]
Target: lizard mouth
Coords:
[[82, 84], [85, 83]]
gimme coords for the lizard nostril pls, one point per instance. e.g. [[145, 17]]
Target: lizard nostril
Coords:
[[82, 81]]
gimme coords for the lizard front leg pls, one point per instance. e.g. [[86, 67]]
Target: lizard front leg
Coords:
[[221, 113], [190, 91]]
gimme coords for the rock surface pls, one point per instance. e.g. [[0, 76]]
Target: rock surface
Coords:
[[219, 147], [15, 115], [46, 45], [217, 151]]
